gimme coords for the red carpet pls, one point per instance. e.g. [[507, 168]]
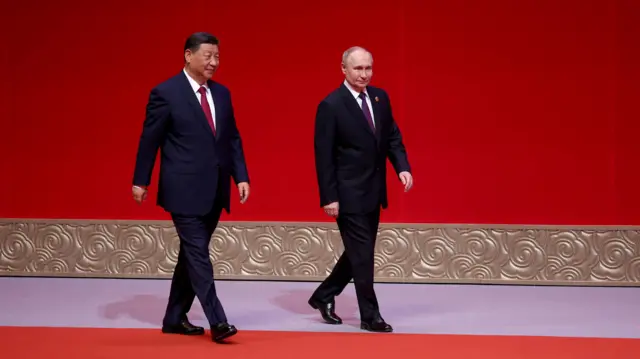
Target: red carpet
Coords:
[[72, 343]]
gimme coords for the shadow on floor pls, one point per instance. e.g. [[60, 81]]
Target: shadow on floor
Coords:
[[144, 308]]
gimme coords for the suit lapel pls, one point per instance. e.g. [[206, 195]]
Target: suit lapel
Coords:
[[377, 115], [219, 107], [354, 108], [194, 104]]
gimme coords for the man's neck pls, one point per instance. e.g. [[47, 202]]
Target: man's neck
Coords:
[[201, 80], [353, 88]]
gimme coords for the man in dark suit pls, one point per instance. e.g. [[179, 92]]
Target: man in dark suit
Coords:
[[354, 135], [190, 118]]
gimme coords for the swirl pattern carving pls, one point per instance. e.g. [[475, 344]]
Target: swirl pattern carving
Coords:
[[308, 251]]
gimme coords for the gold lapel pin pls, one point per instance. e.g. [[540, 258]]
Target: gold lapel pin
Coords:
[[377, 99]]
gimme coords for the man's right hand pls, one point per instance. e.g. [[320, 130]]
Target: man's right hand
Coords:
[[139, 194], [332, 209]]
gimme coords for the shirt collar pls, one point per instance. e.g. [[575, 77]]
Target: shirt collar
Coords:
[[355, 93], [194, 85]]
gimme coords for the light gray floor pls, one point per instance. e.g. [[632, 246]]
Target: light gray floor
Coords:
[[410, 308]]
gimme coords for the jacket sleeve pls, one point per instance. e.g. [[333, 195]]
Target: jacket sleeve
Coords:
[[324, 145], [397, 153], [153, 133], [240, 172]]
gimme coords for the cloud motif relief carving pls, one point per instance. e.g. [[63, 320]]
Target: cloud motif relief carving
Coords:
[[419, 253]]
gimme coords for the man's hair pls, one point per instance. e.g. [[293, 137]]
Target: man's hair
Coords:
[[349, 51], [195, 40]]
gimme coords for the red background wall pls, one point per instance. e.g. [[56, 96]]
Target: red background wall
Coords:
[[513, 111]]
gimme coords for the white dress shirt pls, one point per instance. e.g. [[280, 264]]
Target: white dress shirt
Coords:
[[356, 94], [196, 87]]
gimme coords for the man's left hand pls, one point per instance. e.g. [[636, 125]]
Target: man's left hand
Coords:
[[243, 189], [407, 180]]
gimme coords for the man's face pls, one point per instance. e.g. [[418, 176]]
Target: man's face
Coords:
[[358, 69], [204, 61]]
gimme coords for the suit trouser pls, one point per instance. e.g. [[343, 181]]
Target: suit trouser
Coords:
[[193, 274], [358, 232]]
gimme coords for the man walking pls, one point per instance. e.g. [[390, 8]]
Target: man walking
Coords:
[[354, 135], [190, 118]]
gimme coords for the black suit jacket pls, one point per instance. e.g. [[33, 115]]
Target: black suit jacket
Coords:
[[193, 162], [350, 158]]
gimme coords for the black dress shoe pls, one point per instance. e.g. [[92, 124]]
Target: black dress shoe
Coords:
[[327, 310], [184, 328], [222, 331], [376, 325]]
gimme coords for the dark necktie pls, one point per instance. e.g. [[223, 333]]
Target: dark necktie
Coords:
[[205, 107], [366, 111]]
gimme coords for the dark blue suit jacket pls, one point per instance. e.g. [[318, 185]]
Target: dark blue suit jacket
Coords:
[[195, 166], [350, 158]]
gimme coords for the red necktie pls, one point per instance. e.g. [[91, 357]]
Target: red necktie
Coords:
[[205, 107]]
